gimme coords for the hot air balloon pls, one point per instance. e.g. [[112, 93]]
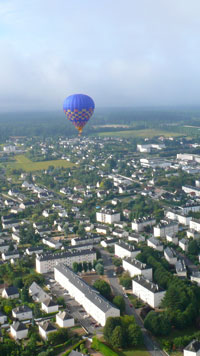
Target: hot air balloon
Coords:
[[78, 109]]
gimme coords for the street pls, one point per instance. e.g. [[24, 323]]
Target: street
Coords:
[[150, 344]]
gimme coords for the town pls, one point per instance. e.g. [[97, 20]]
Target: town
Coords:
[[100, 245]]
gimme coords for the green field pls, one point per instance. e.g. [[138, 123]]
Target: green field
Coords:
[[22, 162], [139, 133], [139, 351]]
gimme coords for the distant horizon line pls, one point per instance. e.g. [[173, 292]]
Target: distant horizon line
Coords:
[[161, 107]]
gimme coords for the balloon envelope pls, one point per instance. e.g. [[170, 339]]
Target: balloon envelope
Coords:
[[78, 109]]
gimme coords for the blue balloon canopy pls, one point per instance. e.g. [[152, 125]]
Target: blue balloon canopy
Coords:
[[78, 109]]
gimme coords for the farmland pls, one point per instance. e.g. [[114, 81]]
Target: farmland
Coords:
[[22, 162]]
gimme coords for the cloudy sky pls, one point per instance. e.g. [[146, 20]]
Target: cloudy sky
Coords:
[[120, 52]]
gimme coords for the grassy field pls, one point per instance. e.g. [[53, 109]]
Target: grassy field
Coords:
[[139, 133], [22, 162]]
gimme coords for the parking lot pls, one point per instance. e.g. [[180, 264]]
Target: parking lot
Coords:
[[76, 310]]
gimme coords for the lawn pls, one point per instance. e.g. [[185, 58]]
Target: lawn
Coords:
[[139, 351], [139, 133], [22, 162]]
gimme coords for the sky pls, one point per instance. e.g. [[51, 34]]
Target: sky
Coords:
[[120, 52]]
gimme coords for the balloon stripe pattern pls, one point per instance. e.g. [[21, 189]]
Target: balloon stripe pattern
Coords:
[[78, 109]]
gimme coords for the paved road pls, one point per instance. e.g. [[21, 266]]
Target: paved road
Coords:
[[150, 344]]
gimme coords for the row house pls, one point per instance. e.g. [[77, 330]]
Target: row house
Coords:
[[93, 303]]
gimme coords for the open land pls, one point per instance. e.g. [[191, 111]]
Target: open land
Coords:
[[22, 162], [139, 133]]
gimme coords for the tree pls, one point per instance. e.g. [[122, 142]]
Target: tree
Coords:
[[61, 301], [126, 281], [120, 303], [111, 323], [75, 267], [90, 266], [18, 282], [24, 295], [58, 337], [99, 269], [85, 266], [157, 323], [80, 267], [103, 288], [117, 337], [193, 247], [134, 335]]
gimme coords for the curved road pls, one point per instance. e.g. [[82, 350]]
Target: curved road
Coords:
[[150, 344]]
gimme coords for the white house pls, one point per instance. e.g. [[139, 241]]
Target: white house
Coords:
[[147, 291], [139, 224], [63, 320], [46, 262], [193, 349], [135, 267], [3, 318], [22, 312], [155, 244], [102, 229], [136, 237], [195, 224], [18, 330], [165, 228], [183, 244], [94, 304], [45, 329], [181, 269], [34, 250], [179, 217], [37, 293], [170, 255], [107, 216], [172, 238], [48, 306], [123, 249], [195, 277], [7, 255], [193, 234], [10, 293]]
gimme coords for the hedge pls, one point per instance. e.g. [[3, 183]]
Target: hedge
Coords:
[[76, 346], [103, 348]]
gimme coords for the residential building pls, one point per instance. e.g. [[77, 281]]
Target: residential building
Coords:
[[195, 277], [195, 224], [173, 239], [46, 262], [34, 250], [18, 330], [170, 255], [181, 269], [64, 320], [37, 293], [22, 312], [3, 318], [165, 228], [179, 217], [94, 304], [155, 244], [123, 249], [10, 293], [135, 267], [136, 237], [93, 239], [140, 224], [49, 306], [183, 244], [193, 349], [147, 291], [107, 216], [45, 328], [8, 255]]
